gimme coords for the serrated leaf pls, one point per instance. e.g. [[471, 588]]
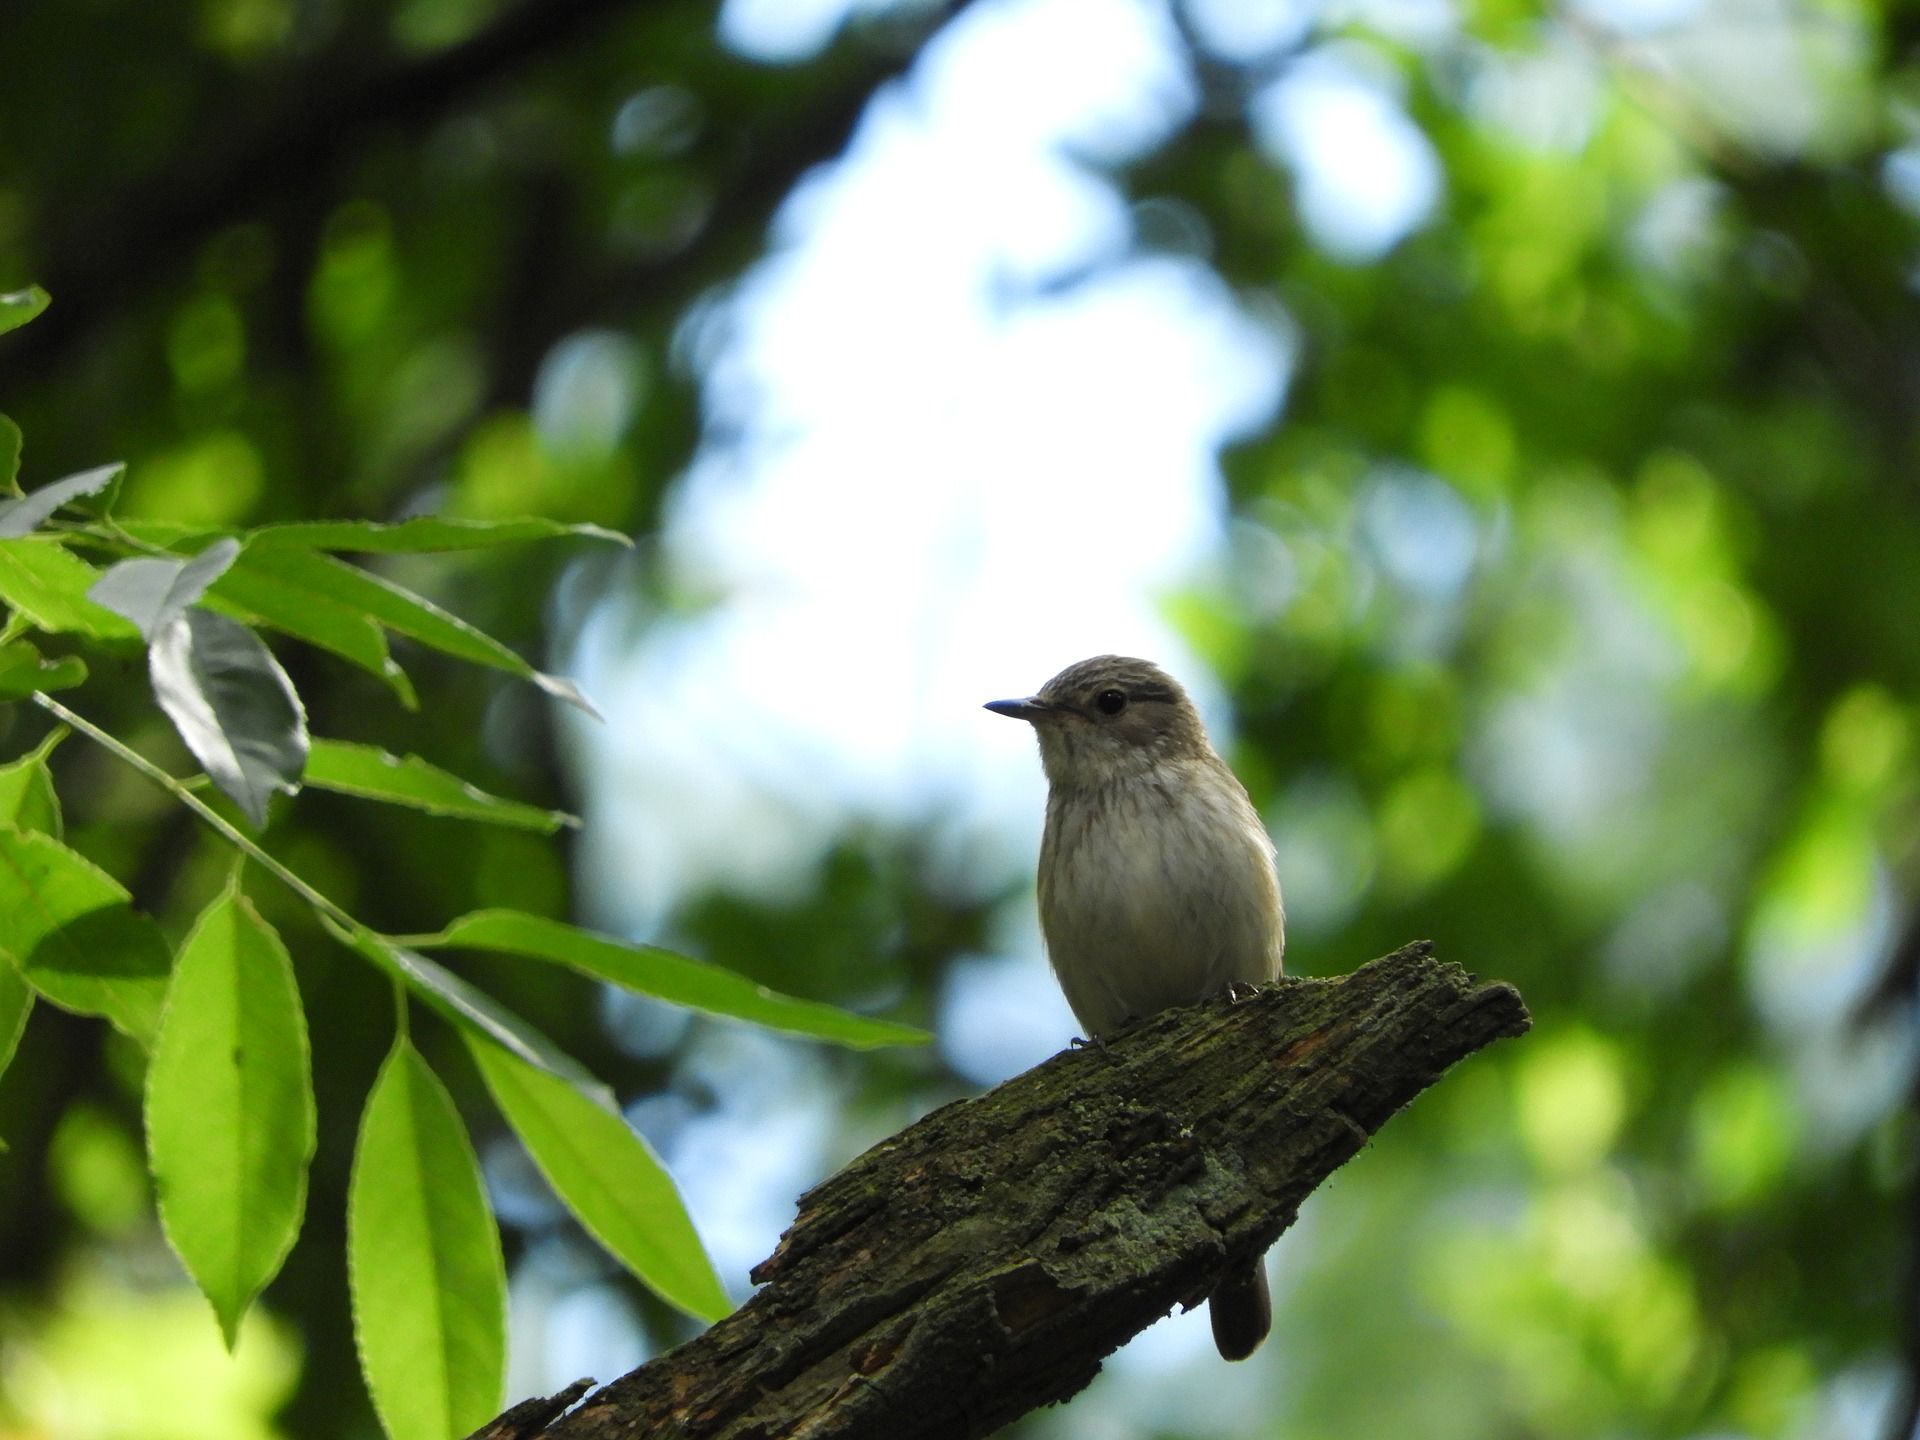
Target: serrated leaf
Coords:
[[20, 517], [25, 671], [17, 307], [420, 535], [27, 796], [467, 1006], [406, 613], [75, 937], [153, 591], [256, 590], [609, 1177], [373, 774], [665, 976], [233, 705], [229, 1107], [423, 1261], [48, 584]]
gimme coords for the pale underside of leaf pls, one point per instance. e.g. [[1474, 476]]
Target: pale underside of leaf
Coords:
[[19, 517], [154, 591], [233, 705]]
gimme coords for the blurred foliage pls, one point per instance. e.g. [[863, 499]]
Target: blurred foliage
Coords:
[[1571, 615]]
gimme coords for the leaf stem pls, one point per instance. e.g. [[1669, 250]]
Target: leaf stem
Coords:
[[228, 831]]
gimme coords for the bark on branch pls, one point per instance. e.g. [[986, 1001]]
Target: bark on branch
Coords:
[[983, 1262]]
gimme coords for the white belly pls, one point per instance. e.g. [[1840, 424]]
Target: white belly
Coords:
[[1156, 896]]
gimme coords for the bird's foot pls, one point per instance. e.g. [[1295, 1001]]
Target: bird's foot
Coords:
[[1240, 990], [1083, 1043]]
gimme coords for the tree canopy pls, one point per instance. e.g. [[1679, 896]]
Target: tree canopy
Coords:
[[1562, 592]]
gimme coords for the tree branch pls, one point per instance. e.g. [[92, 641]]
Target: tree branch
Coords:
[[982, 1262], [104, 257]]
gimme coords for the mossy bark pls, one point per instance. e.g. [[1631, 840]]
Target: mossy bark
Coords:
[[985, 1260]]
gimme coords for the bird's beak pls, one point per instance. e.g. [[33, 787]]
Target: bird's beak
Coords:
[[1031, 708]]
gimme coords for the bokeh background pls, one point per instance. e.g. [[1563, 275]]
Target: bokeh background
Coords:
[[1502, 415]]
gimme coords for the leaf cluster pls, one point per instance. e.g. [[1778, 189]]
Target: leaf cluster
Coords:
[[229, 1102]]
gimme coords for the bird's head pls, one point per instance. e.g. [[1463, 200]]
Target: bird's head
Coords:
[[1109, 718]]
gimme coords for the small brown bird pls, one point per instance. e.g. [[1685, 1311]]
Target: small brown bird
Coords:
[[1157, 883]]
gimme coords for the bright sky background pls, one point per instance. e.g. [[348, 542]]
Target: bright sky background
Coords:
[[961, 437]]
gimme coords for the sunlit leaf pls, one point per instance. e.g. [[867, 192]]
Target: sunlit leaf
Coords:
[[665, 976], [48, 584], [25, 671], [255, 590], [19, 517], [17, 307], [16, 1004], [423, 1260], [399, 609], [75, 936], [153, 591], [27, 796], [467, 1006], [374, 774], [422, 534], [229, 1112], [233, 705], [609, 1178]]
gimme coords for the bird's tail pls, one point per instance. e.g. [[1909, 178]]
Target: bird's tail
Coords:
[[1241, 1311]]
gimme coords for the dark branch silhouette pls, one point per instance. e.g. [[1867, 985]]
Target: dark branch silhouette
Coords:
[[985, 1260], [108, 257]]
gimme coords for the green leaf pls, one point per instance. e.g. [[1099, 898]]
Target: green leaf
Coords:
[[10, 445], [467, 1006], [16, 1004], [256, 591], [376, 775], [17, 307], [399, 609], [27, 796], [230, 1115], [153, 590], [609, 1178], [20, 517], [25, 671], [423, 1261], [48, 584], [422, 534], [75, 936], [665, 976]]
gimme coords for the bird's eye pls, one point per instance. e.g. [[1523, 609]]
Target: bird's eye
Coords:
[[1110, 702]]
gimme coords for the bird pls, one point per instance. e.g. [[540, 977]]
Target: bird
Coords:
[[1157, 879]]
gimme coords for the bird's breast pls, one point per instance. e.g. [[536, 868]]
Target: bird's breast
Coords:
[[1154, 894]]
